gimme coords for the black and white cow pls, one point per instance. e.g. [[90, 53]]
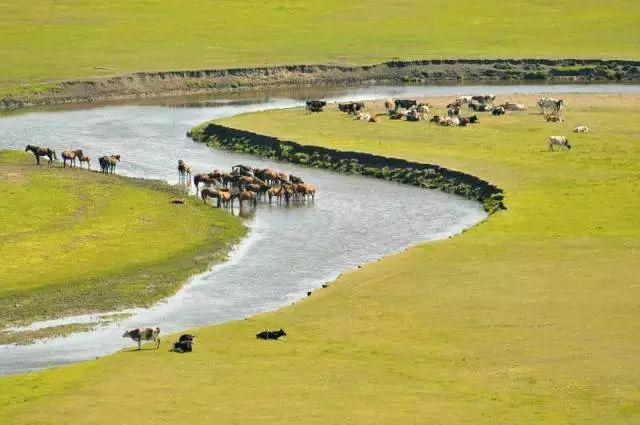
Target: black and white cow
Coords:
[[315, 105], [144, 334], [554, 105], [560, 141], [271, 334], [405, 103]]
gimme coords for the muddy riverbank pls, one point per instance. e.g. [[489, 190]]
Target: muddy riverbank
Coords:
[[146, 84], [428, 176]]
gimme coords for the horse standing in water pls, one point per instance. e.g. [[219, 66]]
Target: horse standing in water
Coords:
[[39, 151], [184, 172]]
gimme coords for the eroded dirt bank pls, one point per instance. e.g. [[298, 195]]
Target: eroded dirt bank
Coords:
[[144, 84], [393, 169]]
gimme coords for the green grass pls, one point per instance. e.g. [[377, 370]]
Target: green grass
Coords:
[[44, 41], [530, 317], [75, 241]]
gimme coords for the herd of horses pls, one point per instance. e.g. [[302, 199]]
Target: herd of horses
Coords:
[[107, 162], [247, 184]]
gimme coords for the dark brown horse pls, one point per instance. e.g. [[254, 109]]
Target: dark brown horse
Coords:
[[108, 163], [39, 151]]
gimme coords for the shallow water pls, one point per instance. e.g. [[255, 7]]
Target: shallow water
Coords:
[[291, 250]]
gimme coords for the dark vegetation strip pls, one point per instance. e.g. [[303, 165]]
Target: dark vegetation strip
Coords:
[[398, 170], [142, 84]]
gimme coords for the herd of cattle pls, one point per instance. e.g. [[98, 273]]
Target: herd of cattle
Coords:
[[247, 184], [411, 110]]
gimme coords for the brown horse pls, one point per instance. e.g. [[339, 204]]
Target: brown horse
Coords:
[[247, 195], [84, 158], [71, 156], [275, 191], [39, 151], [108, 163], [184, 172]]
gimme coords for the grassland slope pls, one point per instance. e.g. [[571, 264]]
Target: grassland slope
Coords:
[[530, 317], [75, 241]]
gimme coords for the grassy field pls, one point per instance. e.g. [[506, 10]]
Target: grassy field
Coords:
[[44, 41], [530, 317], [75, 241]]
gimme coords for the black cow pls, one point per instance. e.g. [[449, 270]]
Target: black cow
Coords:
[[184, 344], [479, 107], [473, 119], [315, 105], [351, 107], [405, 103], [271, 334], [497, 111]]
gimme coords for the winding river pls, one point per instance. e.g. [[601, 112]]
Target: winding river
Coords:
[[293, 250]]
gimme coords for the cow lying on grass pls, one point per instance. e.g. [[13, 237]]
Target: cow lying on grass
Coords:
[[271, 334], [184, 344], [144, 334]]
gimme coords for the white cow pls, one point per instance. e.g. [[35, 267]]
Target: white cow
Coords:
[[461, 100], [515, 107], [581, 129], [560, 141]]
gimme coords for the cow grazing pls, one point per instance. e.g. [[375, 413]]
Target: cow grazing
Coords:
[[581, 129], [144, 334], [184, 344], [560, 141], [271, 334], [315, 105]]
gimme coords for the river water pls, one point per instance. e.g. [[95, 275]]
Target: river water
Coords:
[[292, 250]]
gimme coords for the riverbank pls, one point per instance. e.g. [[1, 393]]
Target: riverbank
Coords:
[[408, 172], [433, 71], [529, 317], [76, 241], [80, 40]]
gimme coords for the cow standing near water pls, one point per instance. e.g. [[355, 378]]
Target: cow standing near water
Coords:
[[556, 106], [144, 334], [39, 151], [315, 105]]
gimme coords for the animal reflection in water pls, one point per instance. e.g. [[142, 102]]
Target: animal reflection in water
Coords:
[[249, 186]]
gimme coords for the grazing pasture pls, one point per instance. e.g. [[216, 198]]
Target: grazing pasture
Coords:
[[42, 41], [530, 317], [75, 241]]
